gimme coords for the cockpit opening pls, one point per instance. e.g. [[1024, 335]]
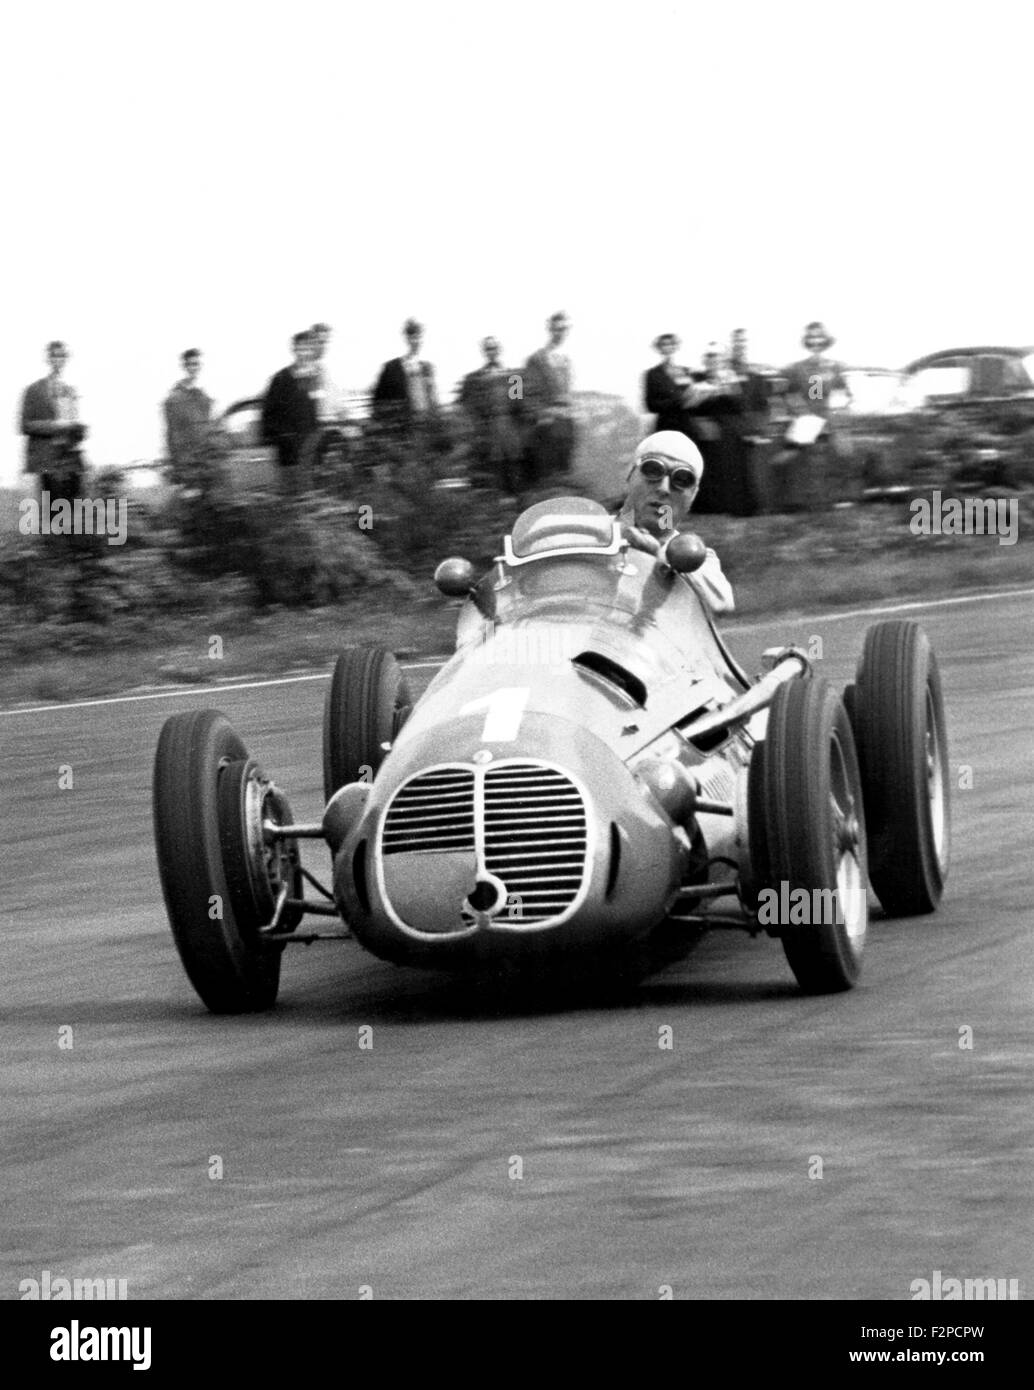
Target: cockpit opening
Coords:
[[603, 666]]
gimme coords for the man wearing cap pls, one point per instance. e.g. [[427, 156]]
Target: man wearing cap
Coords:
[[405, 398], [663, 485]]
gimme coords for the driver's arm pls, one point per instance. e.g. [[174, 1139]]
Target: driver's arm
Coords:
[[712, 585]]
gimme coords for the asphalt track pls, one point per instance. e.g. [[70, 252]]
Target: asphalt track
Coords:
[[394, 1168]]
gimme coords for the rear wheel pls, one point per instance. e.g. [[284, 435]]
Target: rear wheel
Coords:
[[219, 877], [903, 751], [809, 788], [366, 705]]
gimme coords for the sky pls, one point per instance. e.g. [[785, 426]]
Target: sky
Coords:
[[221, 174]]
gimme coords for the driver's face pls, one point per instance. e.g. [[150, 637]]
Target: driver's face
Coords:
[[659, 509]]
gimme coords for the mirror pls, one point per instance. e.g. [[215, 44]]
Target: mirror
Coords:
[[684, 553], [455, 577]]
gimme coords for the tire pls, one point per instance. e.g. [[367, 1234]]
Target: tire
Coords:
[[760, 875], [810, 789], [848, 698], [903, 752], [198, 771], [366, 705]]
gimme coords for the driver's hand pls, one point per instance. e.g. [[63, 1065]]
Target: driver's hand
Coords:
[[641, 540]]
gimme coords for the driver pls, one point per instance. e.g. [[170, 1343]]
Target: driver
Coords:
[[663, 484]]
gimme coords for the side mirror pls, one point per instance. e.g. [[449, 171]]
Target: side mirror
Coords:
[[684, 553], [455, 578]]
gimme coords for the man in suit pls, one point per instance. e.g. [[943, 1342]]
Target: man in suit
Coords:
[[289, 417], [50, 421], [405, 399], [746, 428], [489, 403], [188, 419], [547, 406]]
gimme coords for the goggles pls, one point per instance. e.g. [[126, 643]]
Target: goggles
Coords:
[[681, 478]]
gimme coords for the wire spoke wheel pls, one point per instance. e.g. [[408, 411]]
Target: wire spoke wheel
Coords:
[[220, 877]]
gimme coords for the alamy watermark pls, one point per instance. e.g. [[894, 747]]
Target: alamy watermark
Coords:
[[57, 1287], [84, 1343], [785, 906], [84, 516], [938, 515], [549, 646], [948, 1288]]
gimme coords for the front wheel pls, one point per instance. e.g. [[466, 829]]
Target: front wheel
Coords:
[[366, 705], [220, 876], [809, 791], [903, 750]]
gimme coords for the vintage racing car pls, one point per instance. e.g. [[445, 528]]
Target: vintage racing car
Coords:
[[589, 768]]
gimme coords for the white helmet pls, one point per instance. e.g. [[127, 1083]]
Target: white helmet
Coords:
[[674, 447]]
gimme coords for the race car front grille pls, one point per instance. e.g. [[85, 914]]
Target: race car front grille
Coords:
[[524, 823], [433, 812], [535, 839]]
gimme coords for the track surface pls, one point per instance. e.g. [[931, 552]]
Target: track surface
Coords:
[[391, 1168]]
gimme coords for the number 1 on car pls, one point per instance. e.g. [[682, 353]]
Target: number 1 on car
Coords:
[[505, 709]]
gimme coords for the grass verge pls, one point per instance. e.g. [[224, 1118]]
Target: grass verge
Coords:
[[777, 564]]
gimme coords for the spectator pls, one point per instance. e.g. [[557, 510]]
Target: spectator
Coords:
[[815, 456], [50, 420], [746, 435], [488, 401], [812, 381], [665, 386], [547, 406], [328, 406], [712, 402], [754, 414], [289, 419], [405, 399], [188, 421]]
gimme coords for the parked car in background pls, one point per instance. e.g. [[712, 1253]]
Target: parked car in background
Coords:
[[971, 417], [251, 460], [967, 378]]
